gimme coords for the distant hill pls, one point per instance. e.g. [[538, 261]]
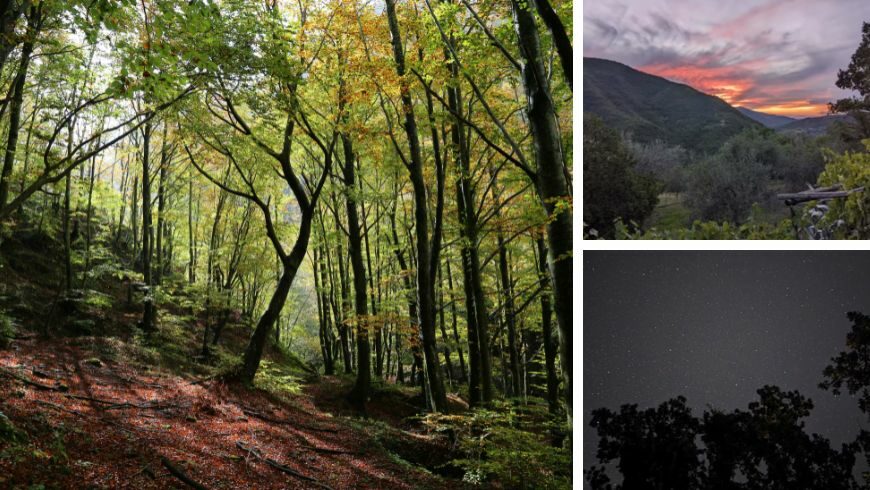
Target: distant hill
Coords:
[[814, 126], [770, 120], [651, 107]]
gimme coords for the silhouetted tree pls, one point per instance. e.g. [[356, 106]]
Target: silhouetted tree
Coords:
[[655, 447], [851, 368], [765, 447]]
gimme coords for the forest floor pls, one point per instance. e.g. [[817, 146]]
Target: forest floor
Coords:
[[94, 422], [88, 401]]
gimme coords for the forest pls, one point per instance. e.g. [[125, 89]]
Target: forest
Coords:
[[277, 244]]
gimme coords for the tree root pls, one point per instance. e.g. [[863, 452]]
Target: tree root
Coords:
[[177, 473], [273, 420], [30, 382], [278, 466], [328, 451]]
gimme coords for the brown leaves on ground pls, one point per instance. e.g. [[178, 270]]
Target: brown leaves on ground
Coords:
[[109, 424]]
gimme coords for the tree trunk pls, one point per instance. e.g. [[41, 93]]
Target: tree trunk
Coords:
[[67, 235], [510, 321], [441, 309], [17, 101], [462, 371], [552, 183], [161, 209], [360, 392], [343, 333], [148, 313], [425, 252], [88, 216], [191, 242], [10, 10], [560, 39], [323, 315], [134, 217], [547, 330], [290, 266]]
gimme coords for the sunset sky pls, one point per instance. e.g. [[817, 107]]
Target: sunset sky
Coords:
[[774, 56]]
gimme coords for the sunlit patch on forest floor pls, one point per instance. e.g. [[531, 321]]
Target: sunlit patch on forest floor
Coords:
[[78, 417]]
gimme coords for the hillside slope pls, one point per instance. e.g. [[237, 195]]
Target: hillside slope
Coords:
[[88, 401], [814, 126], [652, 107], [772, 121]]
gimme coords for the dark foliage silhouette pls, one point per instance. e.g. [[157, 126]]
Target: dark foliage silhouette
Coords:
[[764, 447]]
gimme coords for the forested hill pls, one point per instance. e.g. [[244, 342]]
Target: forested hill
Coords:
[[653, 108]]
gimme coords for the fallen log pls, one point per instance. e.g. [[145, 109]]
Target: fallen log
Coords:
[[278, 466], [177, 473], [826, 193]]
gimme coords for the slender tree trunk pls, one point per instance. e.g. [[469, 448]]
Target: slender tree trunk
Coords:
[[508, 301], [362, 387], [379, 350], [462, 370], [477, 317], [425, 251], [322, 316], [550, 342], [290, 266], [27, 151], [88, 216], [161, 209], [191, 243], [148, 314], [10, 10], [560, 39], [125, 178], [134, 218], [67, 235], [444, 339], [17, 101], [552, 183]]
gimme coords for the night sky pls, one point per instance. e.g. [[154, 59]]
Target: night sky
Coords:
[[715, 326]]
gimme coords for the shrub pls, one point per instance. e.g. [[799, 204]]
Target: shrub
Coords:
[[612, 189], [852, 169], [506, 444]]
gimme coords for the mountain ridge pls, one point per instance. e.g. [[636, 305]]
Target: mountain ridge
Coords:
[[651, 107], [772, 121]]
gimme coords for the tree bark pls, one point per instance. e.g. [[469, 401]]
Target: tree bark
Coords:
[[552, 183], [10, 10], [161, 208], [148, 313], [360, 392], [550, 344], [560, 39], [290, 266], [510, 321], [462, 370], [425, 252], [33, 22], [191, 241]]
